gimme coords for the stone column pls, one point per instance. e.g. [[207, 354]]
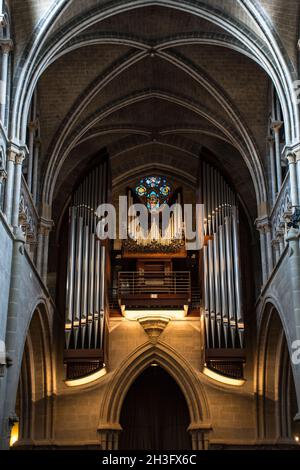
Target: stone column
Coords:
[[6, 45], [45, 255], [32, 130], [3, 177], [40, 244], [17, 189], [269, 248], [263, 251], [298, 173], [276, 126], [276, 249], [280, 238], [291, 157], [272, 167], [43, 247], [36, 157], [11, 156], [109, 436], [200, 437], [293, 240]]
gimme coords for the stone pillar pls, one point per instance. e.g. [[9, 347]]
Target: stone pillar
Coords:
[[276, 249], [263, 251], [298, 173], [272, 167], [293, 240], [291, 157], [43, 247], [6, 45], [276, 126], [40, 244], [280, 238], [32, 130], [17, 189], [109, 436], [269, 248], [3, 177], [37, 146], [200, 437], [14, 346], [11, 156]]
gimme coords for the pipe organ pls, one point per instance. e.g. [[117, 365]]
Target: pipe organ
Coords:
[[222, 293], [86, 270], [157, 235]]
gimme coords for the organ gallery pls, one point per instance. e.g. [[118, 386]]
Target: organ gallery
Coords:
[[149, 227]]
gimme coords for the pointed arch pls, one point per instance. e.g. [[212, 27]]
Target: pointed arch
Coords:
[[176, 366]]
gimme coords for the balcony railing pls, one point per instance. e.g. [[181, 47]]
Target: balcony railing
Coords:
[[154, 288]]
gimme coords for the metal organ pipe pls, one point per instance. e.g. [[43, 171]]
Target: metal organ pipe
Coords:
[[221, 261], [237, 275], [85, 309]]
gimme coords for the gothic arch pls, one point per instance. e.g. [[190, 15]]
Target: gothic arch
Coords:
[[38, 55], [74, 138], [171, 362], [36, 380], [274, 377]]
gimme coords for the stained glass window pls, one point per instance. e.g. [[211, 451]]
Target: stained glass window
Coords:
[[154, 191]]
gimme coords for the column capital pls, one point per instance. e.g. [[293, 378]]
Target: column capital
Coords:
[[45, 226], [16, 153], [37, 142], [291, 157], [3, 20], [276, 125], [275, 243], [263, 224], [20, 157], [33, 125], [295, 149], [3, 175], [6, 45]]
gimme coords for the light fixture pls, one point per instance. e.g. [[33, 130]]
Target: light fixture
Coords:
[[14, 435], [297, 438], [222, 378], [140, 314], [86, 380]]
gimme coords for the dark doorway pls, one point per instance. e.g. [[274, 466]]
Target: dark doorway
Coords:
[[155, 415]]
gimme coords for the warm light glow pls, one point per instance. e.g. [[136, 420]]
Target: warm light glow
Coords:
[[140, 314], [86, 380], [14, 436], [297, 439], [221, 378]]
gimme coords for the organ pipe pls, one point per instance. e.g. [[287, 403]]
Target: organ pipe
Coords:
[[155, 231], [85, 293], [222, 290]]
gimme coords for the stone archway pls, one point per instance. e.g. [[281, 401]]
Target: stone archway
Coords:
[[33, 403], [109, 423], [277, 402]]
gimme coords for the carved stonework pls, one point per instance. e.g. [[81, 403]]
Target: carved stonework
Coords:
[[154, 326]]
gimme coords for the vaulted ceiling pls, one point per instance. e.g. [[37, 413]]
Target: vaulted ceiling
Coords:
[[155, 84]]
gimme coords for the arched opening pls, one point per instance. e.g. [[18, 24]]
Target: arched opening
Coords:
[[35, 383], [154, 414], [276, 382]]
